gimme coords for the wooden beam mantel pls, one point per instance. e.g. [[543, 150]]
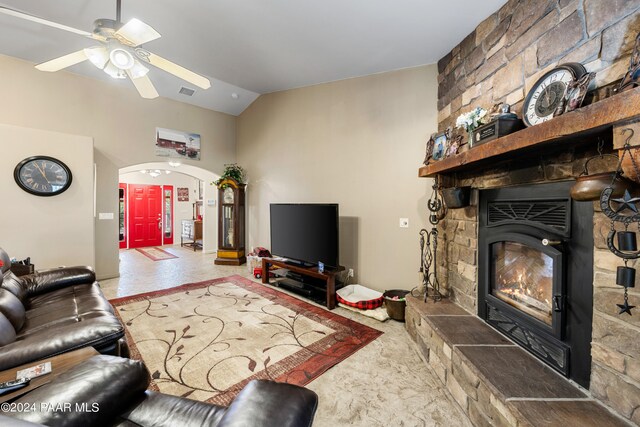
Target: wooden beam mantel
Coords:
[[622, 107]]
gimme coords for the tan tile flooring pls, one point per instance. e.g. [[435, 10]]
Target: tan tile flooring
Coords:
[[385, 383]]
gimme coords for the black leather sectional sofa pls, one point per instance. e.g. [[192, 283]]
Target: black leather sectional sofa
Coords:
[[113, 392], [53, 312], [61, 310]]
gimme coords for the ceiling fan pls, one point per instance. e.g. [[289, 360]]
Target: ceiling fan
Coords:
[[119, 53]]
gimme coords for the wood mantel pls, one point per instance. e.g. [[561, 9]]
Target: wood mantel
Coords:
[[596, 117]]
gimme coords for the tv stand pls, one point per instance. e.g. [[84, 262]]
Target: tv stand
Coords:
[[328, 276], [299, 263]]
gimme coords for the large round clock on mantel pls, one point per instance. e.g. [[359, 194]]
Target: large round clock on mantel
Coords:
[[42, 176], [547, 93]]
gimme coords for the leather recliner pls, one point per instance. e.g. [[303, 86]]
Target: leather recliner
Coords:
[[52, 312], [112, 391]]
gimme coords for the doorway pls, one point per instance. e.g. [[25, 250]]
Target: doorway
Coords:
[[191, 197], [145, 215]]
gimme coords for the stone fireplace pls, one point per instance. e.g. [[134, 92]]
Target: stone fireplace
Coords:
[[499, 62], [535, 254], [534, 265]]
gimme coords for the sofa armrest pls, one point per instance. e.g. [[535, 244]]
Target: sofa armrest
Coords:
[[270, 404], [95, 332], [93, 392], [57, 278], [162, 410]]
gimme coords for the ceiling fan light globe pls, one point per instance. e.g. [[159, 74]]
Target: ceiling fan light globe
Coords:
[[114, 71], [121, 58], [97, 55], [138, 70]]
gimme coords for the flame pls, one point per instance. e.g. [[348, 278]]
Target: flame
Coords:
[[522, 289]]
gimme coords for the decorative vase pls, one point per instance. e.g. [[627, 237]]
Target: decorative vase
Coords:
[[471, 132]]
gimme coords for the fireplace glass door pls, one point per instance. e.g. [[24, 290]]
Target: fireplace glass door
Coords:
[[523, 277]]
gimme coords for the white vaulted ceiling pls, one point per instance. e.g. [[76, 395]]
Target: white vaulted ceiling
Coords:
[[251, 47]]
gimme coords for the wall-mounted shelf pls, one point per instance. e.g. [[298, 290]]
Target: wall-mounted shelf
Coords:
[[587, 120]]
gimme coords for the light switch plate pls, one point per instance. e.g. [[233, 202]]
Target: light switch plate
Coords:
[[404, 222], [105, 215]]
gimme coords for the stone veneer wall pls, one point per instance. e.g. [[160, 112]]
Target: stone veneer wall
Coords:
[[499, 62], [511, 49]]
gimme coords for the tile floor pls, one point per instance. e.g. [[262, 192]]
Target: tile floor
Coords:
[[386, 383]]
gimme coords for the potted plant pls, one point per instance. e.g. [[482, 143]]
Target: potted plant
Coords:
[[233, 171], [471, 121]]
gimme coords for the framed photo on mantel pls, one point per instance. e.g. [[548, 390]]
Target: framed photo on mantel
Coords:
[[440, 146]]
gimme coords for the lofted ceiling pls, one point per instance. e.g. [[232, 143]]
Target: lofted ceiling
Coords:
[[252, 47]]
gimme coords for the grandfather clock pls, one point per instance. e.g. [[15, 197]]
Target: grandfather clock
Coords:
[[230, 223]]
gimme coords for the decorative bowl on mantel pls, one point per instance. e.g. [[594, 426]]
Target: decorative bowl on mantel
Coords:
[[456, 197]]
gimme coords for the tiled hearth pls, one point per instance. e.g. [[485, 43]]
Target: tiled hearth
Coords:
[[494, 381]]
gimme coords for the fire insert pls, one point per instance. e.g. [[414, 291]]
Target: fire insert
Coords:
[[536, 272]]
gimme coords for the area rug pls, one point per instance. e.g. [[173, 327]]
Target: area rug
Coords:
[[207, 340], [156, 254]]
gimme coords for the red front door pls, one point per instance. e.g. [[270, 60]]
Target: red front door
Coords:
[[145, 215]]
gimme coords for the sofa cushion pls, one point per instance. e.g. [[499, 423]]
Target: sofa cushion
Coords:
[[7, 332], [12, 308], [65, 306], [14, 285]]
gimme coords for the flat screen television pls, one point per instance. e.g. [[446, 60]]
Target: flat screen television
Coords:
[[305, 233]]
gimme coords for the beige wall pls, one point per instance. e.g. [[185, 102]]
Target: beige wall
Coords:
[[122, 126], [356, 142], [56, 230]]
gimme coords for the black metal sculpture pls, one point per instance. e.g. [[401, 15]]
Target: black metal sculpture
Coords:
[[429, 246], [623, 210]]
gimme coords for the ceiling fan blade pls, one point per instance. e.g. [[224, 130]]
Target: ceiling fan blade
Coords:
[[15, 13], [175, 69], [63, 61], [144, 86], [135, 32]]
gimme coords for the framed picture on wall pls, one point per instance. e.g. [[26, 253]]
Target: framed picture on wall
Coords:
[[200, 189], [175, 143], [183, 194]]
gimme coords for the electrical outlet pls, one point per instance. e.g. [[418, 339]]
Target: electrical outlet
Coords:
[[350, 272], [404, 222]]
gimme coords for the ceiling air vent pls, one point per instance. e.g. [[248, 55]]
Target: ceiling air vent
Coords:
[[187, 91]]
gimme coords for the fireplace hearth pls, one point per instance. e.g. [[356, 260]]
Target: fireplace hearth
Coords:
[[535, 272]]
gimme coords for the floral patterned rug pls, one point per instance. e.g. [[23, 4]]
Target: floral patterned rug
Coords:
[[207, 340], [156, 254]]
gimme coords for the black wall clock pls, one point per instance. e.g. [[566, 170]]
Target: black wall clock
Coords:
[[42, 176], [548, 92]]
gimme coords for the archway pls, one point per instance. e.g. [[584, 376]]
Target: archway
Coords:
[[209, 194]]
